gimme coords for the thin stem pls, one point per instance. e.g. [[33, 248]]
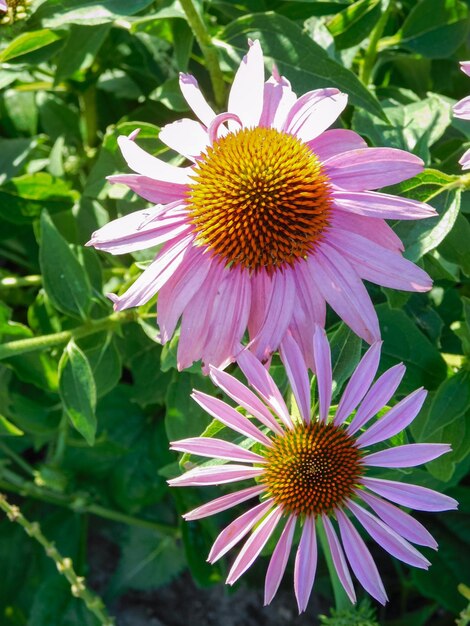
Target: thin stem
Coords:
[[17, 458], [61, 442], [208, 50], [87, 100], [341, 599], [64, 565], [370, 56], [20, 281]]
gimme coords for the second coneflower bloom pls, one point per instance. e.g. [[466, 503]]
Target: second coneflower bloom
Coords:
[[274, 217], [315, 469]]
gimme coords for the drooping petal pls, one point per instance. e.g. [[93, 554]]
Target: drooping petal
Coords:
[[193, 96], [393, 422], [224, 502], [215, 475], [246, 93], [217, 449], [335, 141], [401, 522], [388, 538], [465, 67], [230, 417], [150, 189], [314, 112], [360, 559], [462, 109], [278, 98], [359, 383], [381, 205], [407, 456], [377, 397], [278, 562], [235, 531], [185, 136], [291, 357], [465, 160], [322, 358], [376, 230], [254, 545], [412, 496], [305, 564], [339, 559]]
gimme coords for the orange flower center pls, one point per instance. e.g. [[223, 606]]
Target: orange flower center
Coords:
[[259, 199], [312, 469]]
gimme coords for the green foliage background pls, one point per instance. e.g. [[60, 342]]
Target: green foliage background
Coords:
[[89, 398]]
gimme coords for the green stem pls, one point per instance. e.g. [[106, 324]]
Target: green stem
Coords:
[[61, 442], [208, 50], [370, 56], [341, 599], [87, 100], [64, 565], [17, 458], [20, 281]]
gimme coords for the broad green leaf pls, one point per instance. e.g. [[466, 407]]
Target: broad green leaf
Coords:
[[105, 362], [352, 25], [457, 434], [306, 64], [13, 154], [345, 354], [21, 115], [184, 417], [78, 391], [80, 49], [455, 247], [54, 14], [64, 279], [28, 42]]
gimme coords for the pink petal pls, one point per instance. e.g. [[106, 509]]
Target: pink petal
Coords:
[[217, 449], [395, 420], [231, 418], [360, 560], [335, 141], [411, 496], [151, 189], [278, 98], [193, 96], [322, 357], [3, 5], [246, 93], [465, 160], [223, 503], [462, 109], [372, 168], [305, 564], [144, 163], [406, 456], [278, 562], [314, 112], [377, 397], [235, 531], [374, 229], [359, 383], [339, 560], [381, 205], [294, 363], [465, 67], [186, 137], [244, 397], [254, 545], [215, 475], [388, 538], [401, 522], [344, 291]]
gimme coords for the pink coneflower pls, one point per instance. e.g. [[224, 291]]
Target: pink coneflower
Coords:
[[314, 469], [3, 5], [274, 217], [462, 110]]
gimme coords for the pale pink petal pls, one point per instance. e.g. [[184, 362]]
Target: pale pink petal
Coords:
[[217, 449], [393, 422], [401, 522], [411, 496], [224, 502], [375, 229], [215, 475], [388, 538], [465, 160], [381, 205], [278, 562], [193, 96], [377, 397], [408, 455], [254, 545], [335, 141], [360, 560], [462, 109], [294, 363], [344, 291], [150, 189], [235, 531], [359, 383], [465, 67], [278, 98], [230, 417], [372, 168], [185, 136], [244, 397], [3, 5], [246, 93], [144, 163], [322, 357], [305, 564], [314, 112], [339, 560]]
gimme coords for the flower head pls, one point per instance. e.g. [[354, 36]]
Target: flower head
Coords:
[[273, 218], [462, 110], [314, 469]]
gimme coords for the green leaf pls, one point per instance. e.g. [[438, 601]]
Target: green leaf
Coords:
[[64, 279], [54, 14], [455, 246], [78, 391], [13, 154], [345, 354], [352, 25], [80, 50], [28, 42], [184, 417], [105, 362], [7, 429], [306, 64]]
